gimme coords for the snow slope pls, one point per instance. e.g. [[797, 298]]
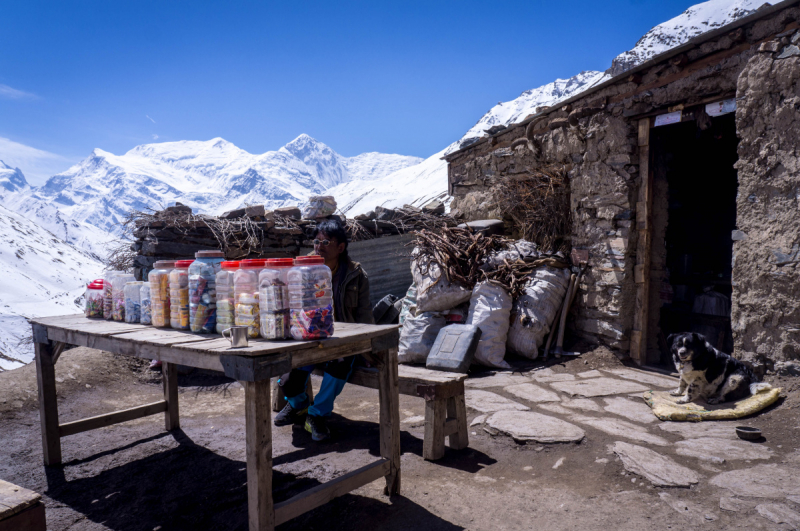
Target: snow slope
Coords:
[[42, 275], [696, 20]]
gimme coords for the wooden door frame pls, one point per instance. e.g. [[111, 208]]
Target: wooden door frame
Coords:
[[644, 226]]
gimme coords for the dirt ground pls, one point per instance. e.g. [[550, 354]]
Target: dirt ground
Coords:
[[136, 476]]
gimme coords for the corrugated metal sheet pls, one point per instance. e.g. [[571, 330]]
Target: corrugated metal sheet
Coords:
[[387, 263]]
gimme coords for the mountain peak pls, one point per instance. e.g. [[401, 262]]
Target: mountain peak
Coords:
[[11, 179]]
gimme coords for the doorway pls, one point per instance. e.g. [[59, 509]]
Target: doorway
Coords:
[[694, 214]]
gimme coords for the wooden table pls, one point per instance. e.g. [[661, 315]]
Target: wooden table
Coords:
[[253, 367]]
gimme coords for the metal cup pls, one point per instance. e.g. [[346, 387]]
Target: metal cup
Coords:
[[237, 336]]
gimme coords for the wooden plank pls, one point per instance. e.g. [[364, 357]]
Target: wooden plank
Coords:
[[324, 352], [638, 273], [48, 407], [388, 391], [322, 494], [169, 381], [165, 336], [457, 410], [14, 499], [435, 418], [440, 390], [258, 434], [107, 419], [30, 519], [644, 247]]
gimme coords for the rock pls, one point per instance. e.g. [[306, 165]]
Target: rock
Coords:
[[590, 374], [434, 207], [727, 503], [559, 463], [581, 403], [488, 402], [502, 379], [635, 411], [233, 214], [414, 420], [779, 513], [738, 235], [179, 208], [385, 214], [695, 430], [762, 481], [532, 393], [289, 212], [769, 46], [795, 499], [477, 421], [365, 217], [692, 511], [646, 378], [255, 211], [598, 387], [486, 226], [722, 449], [787, 368], [556, 408], [789, 51], [529, 426], [621, 428], [659, 470]]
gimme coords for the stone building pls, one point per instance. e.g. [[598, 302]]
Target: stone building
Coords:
[[684, 180]]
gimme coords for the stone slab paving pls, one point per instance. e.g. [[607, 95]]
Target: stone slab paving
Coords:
[[621, 428], [488, 402], [644, 377], [532, 393], [635, 411], [477, 421], [694, 512], [556, 408], [795, 499], [598, 387], [590, 374], [722, 449], [694, 430], [658, 469], [779, 514], [501, 379], [734, 505], [581, 403], [553, 378], [529, 426], [762, 481]]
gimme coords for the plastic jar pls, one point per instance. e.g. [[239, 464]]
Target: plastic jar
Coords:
[[273, 297], [146, 317], [225, 301], [118, 283], [310, 299], [94, 299], [179, 295], [159, 292], [203, 291], [108, 304], [133, 307], [245, 292]]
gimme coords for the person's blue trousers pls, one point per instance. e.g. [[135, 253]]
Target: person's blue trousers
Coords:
[[293, 384]]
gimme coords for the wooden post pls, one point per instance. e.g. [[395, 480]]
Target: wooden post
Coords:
[[48, 407], [169, 379], [644, 207], [258, 421], [457, 409], [389, 396], [435, 419]]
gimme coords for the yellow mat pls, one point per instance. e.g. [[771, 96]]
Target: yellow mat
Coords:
[[665, 408]]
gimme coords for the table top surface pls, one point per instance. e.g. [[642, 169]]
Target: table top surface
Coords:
[[344, 333]]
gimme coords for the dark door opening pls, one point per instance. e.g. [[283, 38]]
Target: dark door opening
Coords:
[[694, 211]]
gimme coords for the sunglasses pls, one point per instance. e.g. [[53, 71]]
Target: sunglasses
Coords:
[[323, 243]]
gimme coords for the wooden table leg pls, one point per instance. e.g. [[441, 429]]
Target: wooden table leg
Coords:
[[389, 394], [48, 407], [169, 379], [258, 421]]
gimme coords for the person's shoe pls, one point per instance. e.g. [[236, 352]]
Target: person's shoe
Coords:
[[318, 428], [289, 415]]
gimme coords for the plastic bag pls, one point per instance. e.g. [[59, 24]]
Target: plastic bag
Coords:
[[433, 296], [490, 310], [535, 310], [319, 206], [417, 337], [409, 304]]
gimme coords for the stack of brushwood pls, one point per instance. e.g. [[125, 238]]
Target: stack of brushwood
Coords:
[[389, 221]]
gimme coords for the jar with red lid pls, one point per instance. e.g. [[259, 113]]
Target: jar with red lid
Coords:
[[94, 299], [179, 295], [225, 300], [310, 289], [245, 292], [159, 292], [274, 298]]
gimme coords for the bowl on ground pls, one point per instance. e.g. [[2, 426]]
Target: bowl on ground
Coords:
[[747, 433]]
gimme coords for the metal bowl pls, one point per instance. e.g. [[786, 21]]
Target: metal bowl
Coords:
[[747, 433]]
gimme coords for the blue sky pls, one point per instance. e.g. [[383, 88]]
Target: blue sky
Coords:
[[398, 77]]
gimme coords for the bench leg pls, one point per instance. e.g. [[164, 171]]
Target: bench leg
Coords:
[[389, 396], [48, 407], [169, 379], [457, 410], [258, 427], [435, 418]]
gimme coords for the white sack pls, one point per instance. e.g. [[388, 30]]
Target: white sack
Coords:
[[536, 309], [490, 310], [319, 206], [417, 337], [516, 250], [440, 297], [409, 308]]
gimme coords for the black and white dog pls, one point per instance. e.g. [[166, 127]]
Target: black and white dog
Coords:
[[708, 373]]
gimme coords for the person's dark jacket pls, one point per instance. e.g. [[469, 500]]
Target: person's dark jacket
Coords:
[[351, 302]]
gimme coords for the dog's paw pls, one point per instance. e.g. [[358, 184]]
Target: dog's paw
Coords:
[[714, 400], [676, 392], [683, 400]]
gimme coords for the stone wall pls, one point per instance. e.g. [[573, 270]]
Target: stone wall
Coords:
[[766, 273]]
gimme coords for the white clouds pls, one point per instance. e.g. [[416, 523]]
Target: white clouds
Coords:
[[155, 137], [150, 118], [11, 93], [37, 165]]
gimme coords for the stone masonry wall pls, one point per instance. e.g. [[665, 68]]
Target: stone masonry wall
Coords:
[[766, 273]]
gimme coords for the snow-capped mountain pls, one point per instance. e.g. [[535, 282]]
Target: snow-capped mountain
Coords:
[[11, 180], [211, 177], [696, 20], [42, 275]]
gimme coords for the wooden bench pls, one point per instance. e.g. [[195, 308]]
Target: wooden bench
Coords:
[[445, 409], [20, 509]]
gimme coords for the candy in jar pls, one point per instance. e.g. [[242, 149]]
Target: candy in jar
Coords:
[[118, 295], [132, 293], [94, 299], [146, 316], [310, 299], [179, 295], [313, 323], [108, 299], [225, 300], [273, 298], [247, 313], [203, 291], [159, 292]]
